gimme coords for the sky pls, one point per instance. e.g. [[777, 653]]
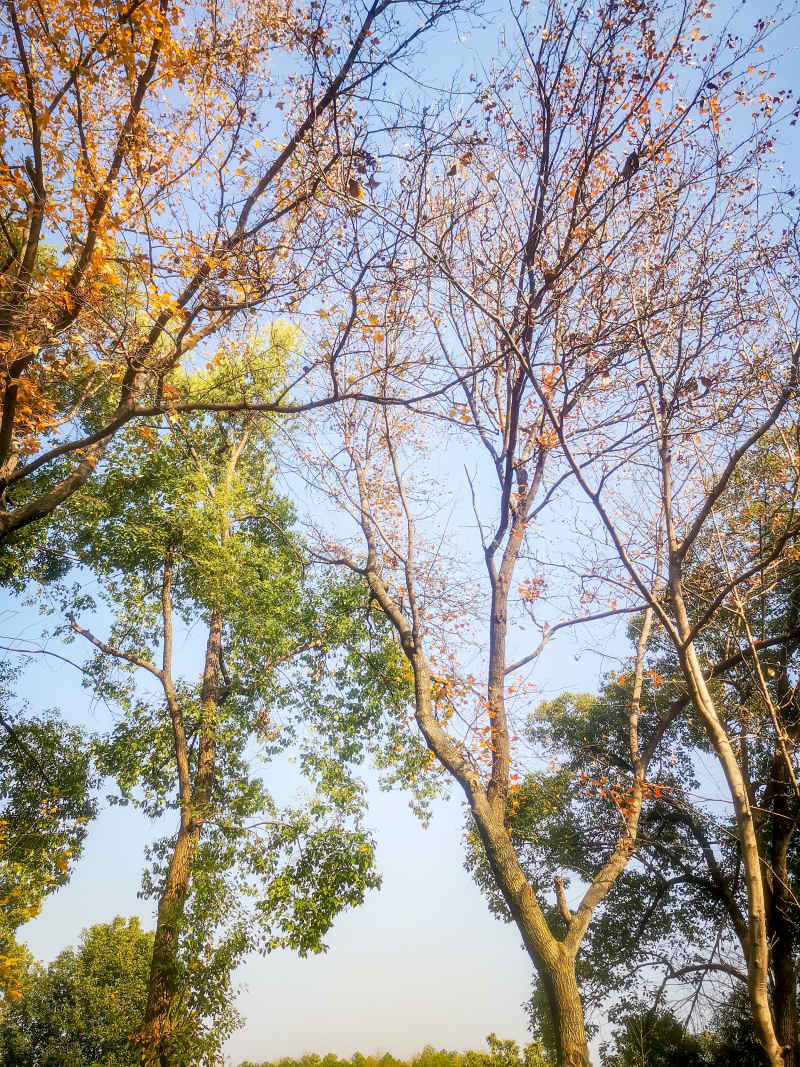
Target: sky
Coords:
[[421, 962]]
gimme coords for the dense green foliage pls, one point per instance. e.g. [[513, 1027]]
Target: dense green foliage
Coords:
[[501, 1053], [652, 1038], [46, 802], [188, 540], [643, 1039], [79, 1011]]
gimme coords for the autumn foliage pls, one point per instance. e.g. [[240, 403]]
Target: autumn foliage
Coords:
[[168, 171]]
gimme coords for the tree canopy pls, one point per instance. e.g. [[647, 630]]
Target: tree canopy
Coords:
[[81, 1008]]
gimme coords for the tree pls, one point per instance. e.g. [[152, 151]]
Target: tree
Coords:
[[654, 1039], [650, 1037], [116, 263], [192, 534], [80, 1010], [679, 912], [46, 795], [528, 226], [500, 1052], [167, 171], [691, 444]]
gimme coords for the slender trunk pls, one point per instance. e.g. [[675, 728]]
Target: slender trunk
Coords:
[[758, 956], [164, 983], [497, 790], [758, 948]]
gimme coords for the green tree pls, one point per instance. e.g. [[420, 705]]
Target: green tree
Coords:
[[654, 1039], [46, 803], [80, 1010], [500, 1052], [187, 533], [679, 912]]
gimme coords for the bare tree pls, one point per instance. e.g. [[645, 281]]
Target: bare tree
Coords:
[[710, 371], [566, 228]]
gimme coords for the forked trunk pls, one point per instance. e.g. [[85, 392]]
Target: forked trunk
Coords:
[[554, 963]]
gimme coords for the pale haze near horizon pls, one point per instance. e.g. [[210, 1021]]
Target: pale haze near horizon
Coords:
[[421, 962]]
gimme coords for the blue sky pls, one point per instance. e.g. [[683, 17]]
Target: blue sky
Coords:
[[421, 962]]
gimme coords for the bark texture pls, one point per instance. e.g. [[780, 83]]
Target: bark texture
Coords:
[[553, 960], [164, 984], [758, 954]]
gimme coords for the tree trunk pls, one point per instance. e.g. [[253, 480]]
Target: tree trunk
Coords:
[[758, 956], [163, 984], [785, 1000], [554, 964], [566, 1011]]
